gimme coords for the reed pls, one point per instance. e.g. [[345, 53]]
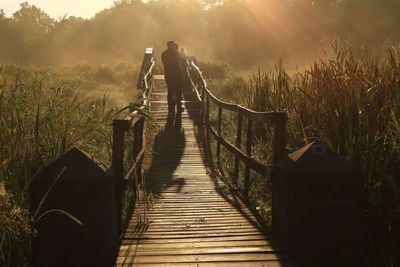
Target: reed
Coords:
[[40, 119], [349, 99]]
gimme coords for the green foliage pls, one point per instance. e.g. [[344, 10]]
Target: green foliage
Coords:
[[351, 100], [241, 33], [40, 119], [116, 81], [214, 70], [14, 234]]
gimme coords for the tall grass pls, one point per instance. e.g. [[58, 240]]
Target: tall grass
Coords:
[[40, 119], [351, 100], [117, 81]]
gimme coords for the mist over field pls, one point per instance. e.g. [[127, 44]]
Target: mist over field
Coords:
[[241, 33], [333, 66]]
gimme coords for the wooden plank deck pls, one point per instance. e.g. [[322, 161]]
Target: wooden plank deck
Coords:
[[190, 222]]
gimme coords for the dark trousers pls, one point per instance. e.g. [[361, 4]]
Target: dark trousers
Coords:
[[174, 86]]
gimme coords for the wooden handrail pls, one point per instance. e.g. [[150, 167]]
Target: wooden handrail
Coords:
[[248, 113], [148, 60], [276, 119], [135, 124], [249, 161], [147, 87]]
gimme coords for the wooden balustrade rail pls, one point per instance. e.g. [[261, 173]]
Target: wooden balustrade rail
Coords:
[[135, 125], [277, 120]]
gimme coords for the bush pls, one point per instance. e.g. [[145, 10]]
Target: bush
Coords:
[[214, 70], [350, 100], [40, 119], [104, 75], [15, 232]]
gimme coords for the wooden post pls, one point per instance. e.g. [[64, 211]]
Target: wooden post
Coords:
[[203, 106], [139, 143], [136, 144], [136, 139], [280, 119], [148, 56], [137, 147], [238, 145], [219, 134], [249, 143], [279, 152], [117, 165], [208, 118]]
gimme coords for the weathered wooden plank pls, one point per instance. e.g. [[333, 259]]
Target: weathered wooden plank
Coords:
[[206, 258], [195, 239], [171, 215], [189, 222], [133, 250], [198, 205], [175, 235], [194, 231], [218, 218], [280, 263], [199, 244]]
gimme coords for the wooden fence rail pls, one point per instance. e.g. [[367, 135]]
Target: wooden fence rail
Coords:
[[127, 177], [277, 120]]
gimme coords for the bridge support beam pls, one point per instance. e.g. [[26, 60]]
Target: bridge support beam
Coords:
[[117, 165]]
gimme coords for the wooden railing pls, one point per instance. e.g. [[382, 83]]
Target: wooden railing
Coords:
[[128, 153], [277, 120]]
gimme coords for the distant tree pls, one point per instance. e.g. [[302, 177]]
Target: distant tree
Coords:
[[240, 32], [33, 21]]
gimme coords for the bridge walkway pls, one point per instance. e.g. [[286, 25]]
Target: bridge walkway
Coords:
[[191, 221]]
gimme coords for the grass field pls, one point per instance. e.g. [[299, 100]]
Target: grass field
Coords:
[[43, 113], [350, 100]]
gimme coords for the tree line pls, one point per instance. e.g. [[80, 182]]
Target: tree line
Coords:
[[242, 33]]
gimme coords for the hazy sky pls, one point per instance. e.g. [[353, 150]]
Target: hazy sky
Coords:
[[58, 8]]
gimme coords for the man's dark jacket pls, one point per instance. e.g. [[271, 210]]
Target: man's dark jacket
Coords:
[[170, 58]]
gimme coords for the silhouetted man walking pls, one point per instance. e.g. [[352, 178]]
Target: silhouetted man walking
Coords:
[[173, 76]]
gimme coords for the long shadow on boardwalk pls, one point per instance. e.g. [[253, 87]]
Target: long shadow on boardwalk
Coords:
[[233, 197], [164, 175], [168, 148]]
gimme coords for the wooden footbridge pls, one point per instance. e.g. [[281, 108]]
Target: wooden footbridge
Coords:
[[180, 191], [184, 218]]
